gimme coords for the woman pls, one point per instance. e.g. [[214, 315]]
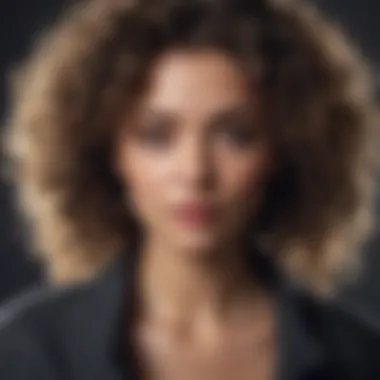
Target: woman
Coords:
[[204, 169]]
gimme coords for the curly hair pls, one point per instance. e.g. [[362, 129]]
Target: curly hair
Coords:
[[89, 70]]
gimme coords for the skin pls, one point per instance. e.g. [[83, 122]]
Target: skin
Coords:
[[196, 136]]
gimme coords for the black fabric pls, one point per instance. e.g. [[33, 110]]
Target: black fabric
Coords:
[[77, 333]]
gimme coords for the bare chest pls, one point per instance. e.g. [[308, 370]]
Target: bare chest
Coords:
[[237, 358]]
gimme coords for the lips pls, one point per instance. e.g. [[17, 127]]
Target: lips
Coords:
[[196, 214]]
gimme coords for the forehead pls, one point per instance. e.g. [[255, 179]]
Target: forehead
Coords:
[[196, 80]]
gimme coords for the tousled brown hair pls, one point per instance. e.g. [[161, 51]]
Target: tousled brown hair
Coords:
[[317, 102]]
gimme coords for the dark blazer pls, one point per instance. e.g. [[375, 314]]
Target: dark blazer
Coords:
[[77, 333]]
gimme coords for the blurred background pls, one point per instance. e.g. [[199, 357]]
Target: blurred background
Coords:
[[20, 23]]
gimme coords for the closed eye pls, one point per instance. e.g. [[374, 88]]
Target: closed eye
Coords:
[[237, 126], [154, 129]]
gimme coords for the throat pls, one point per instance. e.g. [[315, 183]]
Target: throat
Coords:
[[209, 350], [198, 295], [208, 318]]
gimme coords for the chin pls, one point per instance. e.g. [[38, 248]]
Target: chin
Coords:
[[198, 243]]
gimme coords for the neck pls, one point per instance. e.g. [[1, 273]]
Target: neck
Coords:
[[184, 287]]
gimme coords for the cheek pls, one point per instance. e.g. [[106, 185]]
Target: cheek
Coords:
[[243, 178], [145, 178]]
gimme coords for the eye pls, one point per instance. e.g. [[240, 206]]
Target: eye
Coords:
[[236, 127], [237, 134], [154, 136], [155, 133]]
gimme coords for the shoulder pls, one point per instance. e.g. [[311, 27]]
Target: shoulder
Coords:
[[349, 319], [31, 329], [33, 304], [48, 333], [350, 334]]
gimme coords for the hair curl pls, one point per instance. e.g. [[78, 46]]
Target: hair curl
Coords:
[[316, 96]]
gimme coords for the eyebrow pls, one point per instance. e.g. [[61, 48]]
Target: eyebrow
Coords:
[[152, 112], [238, 109], [243, 111]]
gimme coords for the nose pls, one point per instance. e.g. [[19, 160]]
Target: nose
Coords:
[[195, 164]]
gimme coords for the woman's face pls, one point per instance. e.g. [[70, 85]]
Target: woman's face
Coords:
[[194, 155]]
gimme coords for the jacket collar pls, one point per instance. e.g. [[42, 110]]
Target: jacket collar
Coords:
[[109, 308]]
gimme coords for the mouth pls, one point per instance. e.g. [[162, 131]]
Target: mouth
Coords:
[[196, 214]]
